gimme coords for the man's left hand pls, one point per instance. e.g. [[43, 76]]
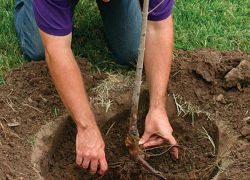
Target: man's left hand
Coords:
[[158, 130]]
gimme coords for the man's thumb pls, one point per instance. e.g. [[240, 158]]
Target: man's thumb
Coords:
[[144, 138]]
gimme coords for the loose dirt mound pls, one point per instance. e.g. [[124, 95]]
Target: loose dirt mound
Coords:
[[207, 81]]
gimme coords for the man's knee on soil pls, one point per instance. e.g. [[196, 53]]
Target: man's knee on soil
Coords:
[[34, 54], [126, 56], [27, 31]]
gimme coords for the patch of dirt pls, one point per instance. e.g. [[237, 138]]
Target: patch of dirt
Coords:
[[29, 100], [197, 155], [215, 83], [218, 82]]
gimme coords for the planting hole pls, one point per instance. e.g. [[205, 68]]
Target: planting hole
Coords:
[[198, 144]]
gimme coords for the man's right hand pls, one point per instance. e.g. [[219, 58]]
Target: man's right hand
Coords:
[[90, 150], [61, 61]]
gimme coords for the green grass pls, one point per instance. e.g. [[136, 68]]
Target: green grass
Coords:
[[223, 25], [10, 54]]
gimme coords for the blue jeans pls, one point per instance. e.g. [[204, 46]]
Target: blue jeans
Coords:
[[122, 25]]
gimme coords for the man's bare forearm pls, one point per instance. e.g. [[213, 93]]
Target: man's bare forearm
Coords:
[[158, 57], [68, 81], [69, 84]]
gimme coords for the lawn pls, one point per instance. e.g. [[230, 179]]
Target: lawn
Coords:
[[223, 25]]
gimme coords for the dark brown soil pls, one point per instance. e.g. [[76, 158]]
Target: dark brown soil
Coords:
[[217, 82], [29, 100], [205, 78], [197, 158]]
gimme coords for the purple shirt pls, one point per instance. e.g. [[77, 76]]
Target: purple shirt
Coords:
[[55, 16]]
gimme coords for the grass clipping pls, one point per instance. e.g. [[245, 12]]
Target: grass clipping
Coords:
[[113, 83]]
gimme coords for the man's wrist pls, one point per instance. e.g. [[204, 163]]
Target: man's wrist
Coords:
[[84, 126], [88, 121], [158, 103]]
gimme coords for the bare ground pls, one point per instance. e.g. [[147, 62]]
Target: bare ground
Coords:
[[211, 83]]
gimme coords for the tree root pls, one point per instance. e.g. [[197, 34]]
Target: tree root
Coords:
[[147, 166], [132, 142]]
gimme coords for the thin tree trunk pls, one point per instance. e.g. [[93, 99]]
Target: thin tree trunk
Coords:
[[132, 141], [139, 68]]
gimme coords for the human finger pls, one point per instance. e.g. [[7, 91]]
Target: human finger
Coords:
[[93, 166], [152, 137], [103, 165], [174, 152], [145, 137], [85, 163], [78, 160], [173, 142], [153, 142]]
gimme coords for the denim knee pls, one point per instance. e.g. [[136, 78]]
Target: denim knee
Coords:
[[31, 44], [27, 31], [122, 25], [31, 53], [126, 56]]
